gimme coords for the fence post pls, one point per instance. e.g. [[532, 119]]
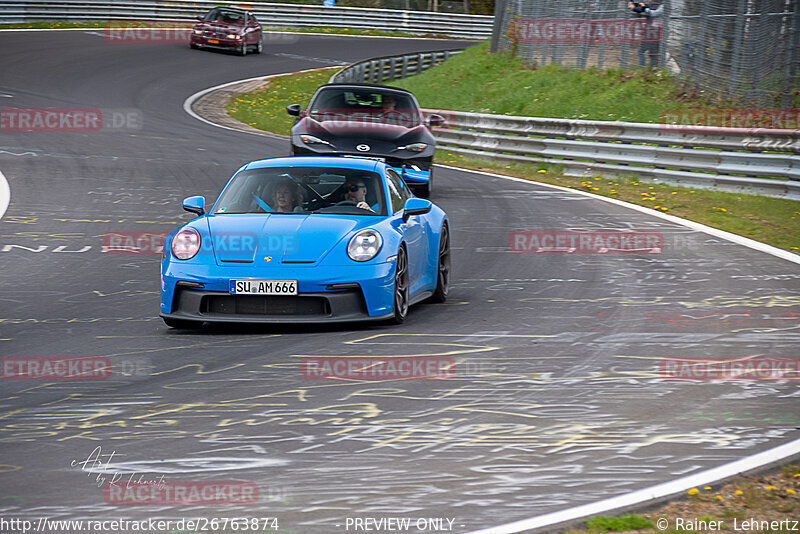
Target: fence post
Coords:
[[738, 43], [792, 59], [662, 50], [499, 22]]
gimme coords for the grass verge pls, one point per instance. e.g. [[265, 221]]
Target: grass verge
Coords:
[[508, 86], [266, 109], [769, 220], [773, 497]]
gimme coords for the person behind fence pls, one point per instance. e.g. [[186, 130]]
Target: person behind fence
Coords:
[[648, 48]]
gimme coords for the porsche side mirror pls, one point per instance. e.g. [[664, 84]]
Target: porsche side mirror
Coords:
[[195, 205], [294, 109], [435, 120], [416, 206]]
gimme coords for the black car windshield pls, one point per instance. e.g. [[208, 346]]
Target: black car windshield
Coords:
[[227, 16], [304, 190], [365, 105]]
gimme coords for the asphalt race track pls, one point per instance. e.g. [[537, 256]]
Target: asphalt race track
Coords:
[[557, 398]]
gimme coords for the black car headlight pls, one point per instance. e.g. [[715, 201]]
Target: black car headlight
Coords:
[[311, 140], [365, 245], [415, 147]]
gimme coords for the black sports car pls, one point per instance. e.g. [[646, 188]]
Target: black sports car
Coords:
[[368, 121]]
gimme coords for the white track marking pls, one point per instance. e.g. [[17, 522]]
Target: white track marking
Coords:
[[653, 492], [739, 240], [5, 195], [187, 104]]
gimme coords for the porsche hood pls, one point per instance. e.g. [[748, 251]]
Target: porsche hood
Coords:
[[251, 238]]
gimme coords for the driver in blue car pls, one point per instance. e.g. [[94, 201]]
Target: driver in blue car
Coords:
[[356, 191]]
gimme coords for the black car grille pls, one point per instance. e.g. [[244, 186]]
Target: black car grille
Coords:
[[264, 305]]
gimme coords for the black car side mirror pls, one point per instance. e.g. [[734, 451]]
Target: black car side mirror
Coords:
[[294, 109], [435, 120]]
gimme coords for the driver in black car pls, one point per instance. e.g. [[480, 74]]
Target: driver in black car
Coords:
[[356, 191]]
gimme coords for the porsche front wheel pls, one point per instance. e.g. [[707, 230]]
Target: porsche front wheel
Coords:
[[401, 287], [442, 267]]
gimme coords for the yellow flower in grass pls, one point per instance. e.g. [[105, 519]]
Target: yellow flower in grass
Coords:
[[796, 475], [707, 488], [693, 491], [791, 491], [739, 492], [663, 208], [541, 171], [719, 497], [770, 488]]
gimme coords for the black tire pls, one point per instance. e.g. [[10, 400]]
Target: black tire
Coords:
[[442, 267], [401, 287], [193, 46], [180, 324]]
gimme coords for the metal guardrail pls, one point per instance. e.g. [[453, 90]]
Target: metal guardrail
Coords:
[[271, 15], [754, 161], [378, 70]]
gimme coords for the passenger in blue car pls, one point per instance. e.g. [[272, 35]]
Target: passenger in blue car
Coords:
[[285, 196]]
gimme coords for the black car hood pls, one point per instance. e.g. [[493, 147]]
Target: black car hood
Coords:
[[360, 129]]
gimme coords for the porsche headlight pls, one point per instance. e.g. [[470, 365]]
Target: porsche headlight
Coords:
[[416, 147], [311, 140], [186, 244], [365, 245]]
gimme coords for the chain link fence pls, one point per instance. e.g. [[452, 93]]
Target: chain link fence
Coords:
[[737, 52]]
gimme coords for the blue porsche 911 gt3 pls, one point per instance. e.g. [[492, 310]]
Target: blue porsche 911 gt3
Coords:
[[306, 239]]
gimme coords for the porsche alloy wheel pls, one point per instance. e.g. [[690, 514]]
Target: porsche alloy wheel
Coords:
[[443, 267], [401, 287]]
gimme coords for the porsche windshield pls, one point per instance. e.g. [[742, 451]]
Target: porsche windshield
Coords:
[[304, 190], [365, 105]]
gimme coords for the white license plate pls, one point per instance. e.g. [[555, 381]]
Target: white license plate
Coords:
[[263, 287]]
